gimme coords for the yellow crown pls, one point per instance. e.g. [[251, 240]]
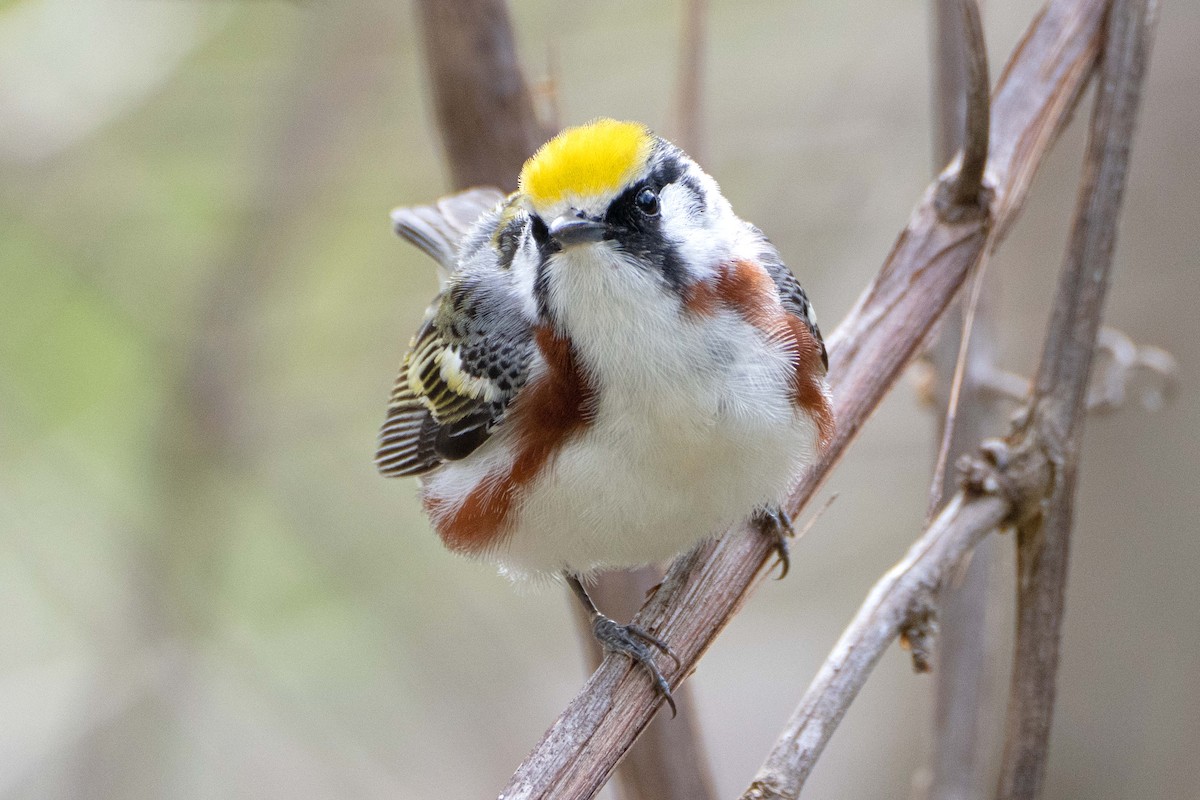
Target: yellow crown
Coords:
[[589, 161]]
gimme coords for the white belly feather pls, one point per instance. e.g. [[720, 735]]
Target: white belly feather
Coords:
[[690, 435]]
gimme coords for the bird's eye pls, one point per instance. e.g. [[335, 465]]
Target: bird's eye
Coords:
[[647, 201]]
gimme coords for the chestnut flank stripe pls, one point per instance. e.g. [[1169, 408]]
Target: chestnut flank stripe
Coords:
[[549, 411], [747, 289]]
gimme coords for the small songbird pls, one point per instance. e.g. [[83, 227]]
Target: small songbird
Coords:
[[616, 368]]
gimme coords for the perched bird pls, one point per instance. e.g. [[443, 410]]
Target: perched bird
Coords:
[[616, 368]]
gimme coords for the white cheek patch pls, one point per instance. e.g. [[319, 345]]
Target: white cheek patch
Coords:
[[697, 233]]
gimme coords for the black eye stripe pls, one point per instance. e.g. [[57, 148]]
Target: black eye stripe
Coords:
[[541, 234], [625, 212]]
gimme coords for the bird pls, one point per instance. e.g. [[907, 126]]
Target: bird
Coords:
[[616, 368]]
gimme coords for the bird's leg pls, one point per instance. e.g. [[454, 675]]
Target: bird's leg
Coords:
[[774, 522], [627, 639]]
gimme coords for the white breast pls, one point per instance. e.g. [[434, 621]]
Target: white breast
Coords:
[[693, 430]]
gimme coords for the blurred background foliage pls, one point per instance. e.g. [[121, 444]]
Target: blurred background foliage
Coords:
[[205, 589]]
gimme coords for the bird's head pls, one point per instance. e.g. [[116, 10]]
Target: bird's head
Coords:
[[618, 186]]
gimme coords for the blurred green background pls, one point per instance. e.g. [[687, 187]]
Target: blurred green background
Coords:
[[207, 592]]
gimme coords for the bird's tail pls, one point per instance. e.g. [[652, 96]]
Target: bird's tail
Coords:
[[438, 229]]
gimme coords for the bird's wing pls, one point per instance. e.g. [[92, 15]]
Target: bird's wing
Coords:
[[469, 359], [791, 293]]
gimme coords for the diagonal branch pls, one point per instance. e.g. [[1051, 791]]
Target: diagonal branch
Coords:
[[1039, 88], [669, 761], [962, 60]]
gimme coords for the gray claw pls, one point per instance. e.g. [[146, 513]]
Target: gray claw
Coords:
[[632, 641], [775, 523]]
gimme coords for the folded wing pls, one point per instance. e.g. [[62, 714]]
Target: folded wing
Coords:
[[471, 356]]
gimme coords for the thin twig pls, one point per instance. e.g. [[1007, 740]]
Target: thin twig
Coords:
[[867, 353], [964, 193], [1060, 391], [1124, 363], [948, 86], [820, 512], [548, 91], [954, 401], [959, 655]]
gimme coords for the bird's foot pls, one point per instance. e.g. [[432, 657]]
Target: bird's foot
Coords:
[[774, 522], [636, 643]]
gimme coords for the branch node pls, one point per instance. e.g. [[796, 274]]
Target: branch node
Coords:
[[1020, 470], [963, 194], [919, 632], [761, 790], [983, 473], [952, 207]]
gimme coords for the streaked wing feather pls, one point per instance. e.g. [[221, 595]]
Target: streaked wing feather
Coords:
[[406, 440], [465, 365]]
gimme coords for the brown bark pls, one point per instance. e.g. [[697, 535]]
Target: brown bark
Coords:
[[481, 100]]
